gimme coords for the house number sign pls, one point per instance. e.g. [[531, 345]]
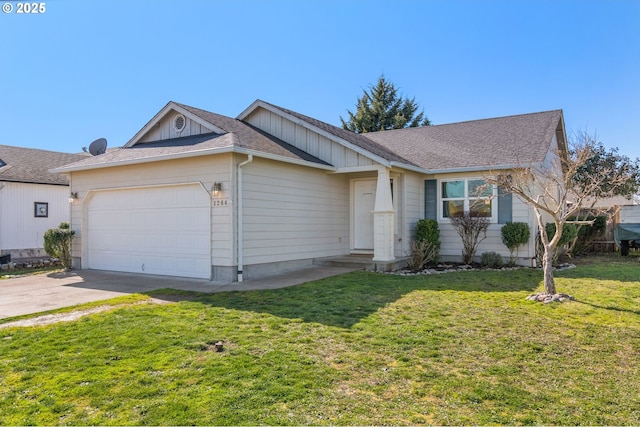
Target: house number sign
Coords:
[[219, 203]]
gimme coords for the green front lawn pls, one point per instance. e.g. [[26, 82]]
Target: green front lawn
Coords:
[[362, 348]]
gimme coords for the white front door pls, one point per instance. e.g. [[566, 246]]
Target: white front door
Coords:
[[364, 198]]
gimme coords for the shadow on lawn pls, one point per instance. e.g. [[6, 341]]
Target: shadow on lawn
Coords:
[[610, 307], [605, 267], [345, 300]]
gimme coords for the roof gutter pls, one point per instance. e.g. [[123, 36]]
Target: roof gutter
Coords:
[[409, 167], [477, 169], [71, 168]]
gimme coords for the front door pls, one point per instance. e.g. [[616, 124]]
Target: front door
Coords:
[[364, 197]]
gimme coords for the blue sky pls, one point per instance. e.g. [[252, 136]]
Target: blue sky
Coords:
[[102, 68]]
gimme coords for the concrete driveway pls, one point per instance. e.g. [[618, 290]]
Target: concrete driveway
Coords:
[[43, 292]]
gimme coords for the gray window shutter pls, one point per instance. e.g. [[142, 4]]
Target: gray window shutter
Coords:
[[505, 206], [431, 199]]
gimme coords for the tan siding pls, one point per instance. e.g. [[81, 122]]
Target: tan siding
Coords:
[[292, 212], [414, 205], [206, 169], [523, 213]]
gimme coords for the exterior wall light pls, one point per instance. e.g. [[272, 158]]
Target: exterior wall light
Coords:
[[216, 188], [73, 197]]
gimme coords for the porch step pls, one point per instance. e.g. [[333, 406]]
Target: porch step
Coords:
[[361, 262]]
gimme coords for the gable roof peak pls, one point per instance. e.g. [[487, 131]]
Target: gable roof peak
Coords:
[[485, 143], [356, 141]]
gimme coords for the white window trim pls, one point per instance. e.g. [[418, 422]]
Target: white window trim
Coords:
[[494, 193]]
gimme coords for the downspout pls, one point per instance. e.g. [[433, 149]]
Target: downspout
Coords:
[[2, 185], [240, 216]]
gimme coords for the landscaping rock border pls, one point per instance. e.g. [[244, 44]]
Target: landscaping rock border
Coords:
[[455, 268], [548, 298], [29, 263]]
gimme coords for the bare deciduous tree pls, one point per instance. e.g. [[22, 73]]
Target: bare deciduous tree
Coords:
[[566, 183]]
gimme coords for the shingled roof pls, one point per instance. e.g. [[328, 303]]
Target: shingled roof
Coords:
[[30, 165], [359, 140], [238, 136], [250, 137], [473, 145], [479, 144]]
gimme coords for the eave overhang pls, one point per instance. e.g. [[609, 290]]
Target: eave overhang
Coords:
[[194, 153]]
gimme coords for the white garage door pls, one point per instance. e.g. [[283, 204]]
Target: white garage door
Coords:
[[155, 230]]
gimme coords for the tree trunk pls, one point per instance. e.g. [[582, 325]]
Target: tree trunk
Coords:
[[547, 268]]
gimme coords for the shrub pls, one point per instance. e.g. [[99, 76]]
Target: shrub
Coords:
[[469, 226], [57, 243], [427, 231], [588, 233], [515, 234], [422, 254], [569, 232], [491, 260]]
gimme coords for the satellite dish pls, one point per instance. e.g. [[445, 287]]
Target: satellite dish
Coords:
[[97, 147]]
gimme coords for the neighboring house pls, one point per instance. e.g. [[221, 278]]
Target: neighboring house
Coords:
[[198, 194], [32, 199]]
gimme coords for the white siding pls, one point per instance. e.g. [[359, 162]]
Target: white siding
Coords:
[[165, 130], [19, 228], [307, 140], [206, 170], [293, 212]]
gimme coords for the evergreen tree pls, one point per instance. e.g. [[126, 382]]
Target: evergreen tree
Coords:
[[381, 108]]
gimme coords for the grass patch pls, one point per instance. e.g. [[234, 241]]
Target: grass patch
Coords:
[[5, 274], [361, 348], [122, 300]]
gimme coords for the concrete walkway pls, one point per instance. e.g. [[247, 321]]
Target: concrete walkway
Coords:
[[43, 292]]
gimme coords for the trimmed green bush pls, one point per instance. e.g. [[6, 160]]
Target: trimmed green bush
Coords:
[[515, 234], [491, 260], [57, 243]]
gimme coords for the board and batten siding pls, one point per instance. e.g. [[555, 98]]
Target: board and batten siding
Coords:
[[306, 139], [164, 129], [20, 230], [205, 169], [292, 212]]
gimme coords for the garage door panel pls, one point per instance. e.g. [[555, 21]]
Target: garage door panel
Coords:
[[151, 230]]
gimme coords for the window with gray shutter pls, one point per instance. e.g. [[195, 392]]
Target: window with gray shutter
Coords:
[[431, 199], [505, 206]]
